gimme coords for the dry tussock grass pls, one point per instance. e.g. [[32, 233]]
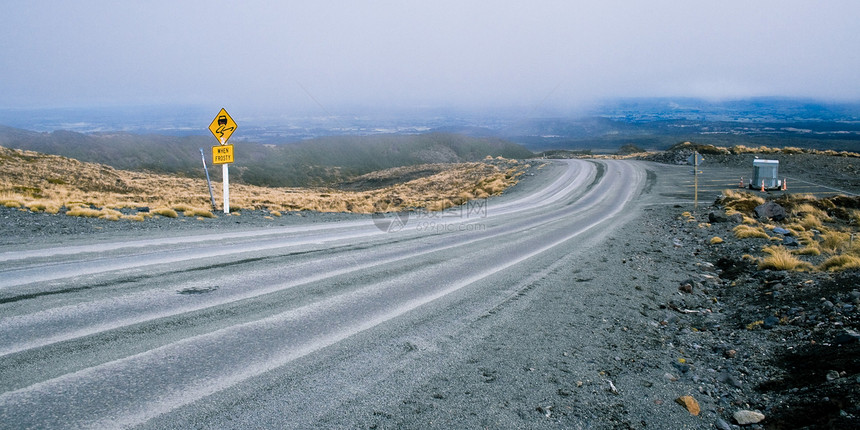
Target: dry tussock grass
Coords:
[[811, 222], [840, 262], [780, 258], [165, 212], [821, 225], [805, 209], [742, 149], [834, 242], [810, 251], [48, 183], [740, 201], [743, 231], [199, 213]]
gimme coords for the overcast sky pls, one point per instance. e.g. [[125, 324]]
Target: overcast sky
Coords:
[[323, 55]]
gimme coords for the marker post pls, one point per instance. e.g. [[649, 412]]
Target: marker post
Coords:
[[208, 181], [225, 171], [696, 160]]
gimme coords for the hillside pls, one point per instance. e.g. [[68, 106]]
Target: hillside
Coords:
[[316, 162], [57, 184]]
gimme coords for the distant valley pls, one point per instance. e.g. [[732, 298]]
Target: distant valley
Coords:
[[273, 150]]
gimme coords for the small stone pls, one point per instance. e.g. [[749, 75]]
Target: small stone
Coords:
[[721, 424], [744, 417], [682, 367], [687, 288], [545, 410], [729, 379], [670, 377], [730, 353], [832, 375], [770, 322], [690, 404], [790, 241]]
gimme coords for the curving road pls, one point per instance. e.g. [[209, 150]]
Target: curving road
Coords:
[[194, 329]]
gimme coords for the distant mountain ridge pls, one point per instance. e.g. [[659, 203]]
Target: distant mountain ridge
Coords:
[[316, 162]]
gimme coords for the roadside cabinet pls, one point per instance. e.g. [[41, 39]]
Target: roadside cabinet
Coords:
[[765, 174]]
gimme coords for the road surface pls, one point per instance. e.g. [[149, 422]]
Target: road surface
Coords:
[[278, 325]]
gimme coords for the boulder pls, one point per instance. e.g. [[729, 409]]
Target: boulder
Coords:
[[716, 216], [736, 218], [748, 417], [770, 210]]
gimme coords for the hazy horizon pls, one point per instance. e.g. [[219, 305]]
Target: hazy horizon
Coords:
[[335, 58]]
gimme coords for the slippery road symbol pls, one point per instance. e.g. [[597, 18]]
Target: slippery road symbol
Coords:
[[222, 126]]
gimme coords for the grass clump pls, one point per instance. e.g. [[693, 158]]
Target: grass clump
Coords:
[[87, 212], [135, 217], [716, 240], [780, 258], [811, 251], [834, 241], [199, 213], [165, 212], [743, 231], [182, 207], [83, 211], [740, 201], [840, 262], [811, 222], [808, 209]]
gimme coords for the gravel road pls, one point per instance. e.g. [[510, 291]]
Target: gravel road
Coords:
[[602, 333]]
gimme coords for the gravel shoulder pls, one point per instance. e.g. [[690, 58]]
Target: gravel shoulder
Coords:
[[652, 327]]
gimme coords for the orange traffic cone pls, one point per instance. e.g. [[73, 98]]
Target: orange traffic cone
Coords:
[[762, 186], [741, 184], [784, 184]]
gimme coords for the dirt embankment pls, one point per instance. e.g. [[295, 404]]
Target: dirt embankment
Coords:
[[777, 342]]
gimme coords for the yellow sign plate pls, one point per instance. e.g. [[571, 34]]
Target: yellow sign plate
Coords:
[[222, 154], [222, 126]]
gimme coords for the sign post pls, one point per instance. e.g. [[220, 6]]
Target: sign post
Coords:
[[222, 127], [696, 159]]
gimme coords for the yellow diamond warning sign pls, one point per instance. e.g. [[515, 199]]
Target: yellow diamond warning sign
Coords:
[[222, 154], [222, 126]]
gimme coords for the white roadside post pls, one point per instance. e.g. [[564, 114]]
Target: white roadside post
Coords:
[[225, 171], [222, 127], [696, 160]]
